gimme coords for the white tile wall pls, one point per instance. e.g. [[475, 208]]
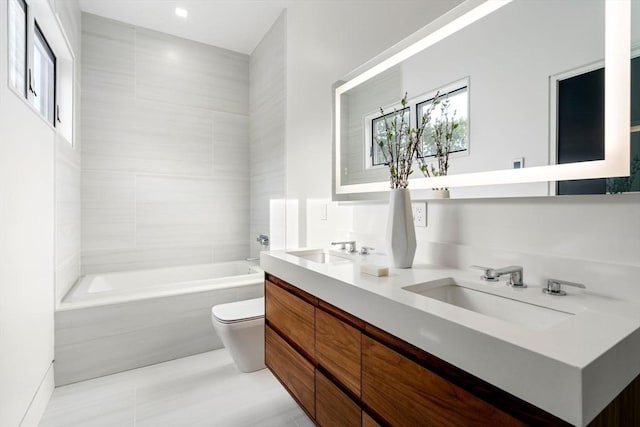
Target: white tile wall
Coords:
[[267, 129], [177, 71], [103, 261], [108, 61], [593, 240], [68, 228], [68, 214], [108, 210], [165, 154]]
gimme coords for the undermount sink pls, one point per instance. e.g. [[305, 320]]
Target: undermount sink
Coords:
[[318, 255], [499, 307]]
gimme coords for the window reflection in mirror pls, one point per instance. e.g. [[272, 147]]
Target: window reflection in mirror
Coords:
[[580, 130]]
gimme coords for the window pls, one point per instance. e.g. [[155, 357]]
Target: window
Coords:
[[17, 26], [43, 77], [394, 122], [455, 97], [458, 110], [580, 130]]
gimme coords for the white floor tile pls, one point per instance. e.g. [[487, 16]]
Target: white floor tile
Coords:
[[200, 391]]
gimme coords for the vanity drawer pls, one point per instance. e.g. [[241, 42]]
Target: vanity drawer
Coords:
[[407, 394], [367, 421], [291, 316], [292, 369], [338, 349], [334, 407]]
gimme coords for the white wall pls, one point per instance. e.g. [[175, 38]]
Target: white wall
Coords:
[[67, 175], [27, 254], [165, 153], [593, 239], [267, 97], [325, 41]]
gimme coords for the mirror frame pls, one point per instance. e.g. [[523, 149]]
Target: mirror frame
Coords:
[[617, 111]]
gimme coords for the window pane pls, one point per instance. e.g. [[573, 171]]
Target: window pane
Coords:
[[395, 123], [18, 45], [44, 77], [458, 107]]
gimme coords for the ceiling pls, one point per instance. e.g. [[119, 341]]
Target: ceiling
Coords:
[[237, 25]]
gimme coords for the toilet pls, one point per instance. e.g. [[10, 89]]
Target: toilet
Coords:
[[240, 326]]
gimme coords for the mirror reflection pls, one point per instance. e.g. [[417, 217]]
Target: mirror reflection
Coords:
[[526, 84]]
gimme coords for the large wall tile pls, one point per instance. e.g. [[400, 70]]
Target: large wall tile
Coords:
[[108, 56], [144, 136], [165, 156], [68, 223], [103, 261], [108, 210], [267, 129], [183, 72], [184, 211], [230, 145], [66, 275]]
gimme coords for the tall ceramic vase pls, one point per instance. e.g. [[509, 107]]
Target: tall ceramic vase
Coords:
[[401, 234]]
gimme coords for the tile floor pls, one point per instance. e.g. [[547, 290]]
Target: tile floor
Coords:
[[202, 390]]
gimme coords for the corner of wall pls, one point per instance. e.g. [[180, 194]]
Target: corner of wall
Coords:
[[40, 401]]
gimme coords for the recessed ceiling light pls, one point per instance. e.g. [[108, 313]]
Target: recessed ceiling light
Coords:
[[182, 13]]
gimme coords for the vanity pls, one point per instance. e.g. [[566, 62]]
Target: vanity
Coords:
[[420, 347]]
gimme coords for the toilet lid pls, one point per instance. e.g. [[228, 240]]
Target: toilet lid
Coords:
[[239, 311]]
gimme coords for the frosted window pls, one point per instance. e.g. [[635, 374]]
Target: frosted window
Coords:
[[17, 26], [44, 77]]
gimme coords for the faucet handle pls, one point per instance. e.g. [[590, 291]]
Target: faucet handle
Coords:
[[489, 273], [365, 250], [553, 286], [351, 243]]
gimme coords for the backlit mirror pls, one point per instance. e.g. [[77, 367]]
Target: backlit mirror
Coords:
[[512, 72]]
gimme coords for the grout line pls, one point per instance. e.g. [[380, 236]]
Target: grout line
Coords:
[[135, 211]]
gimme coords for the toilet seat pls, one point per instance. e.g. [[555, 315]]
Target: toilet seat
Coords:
[[240, 311]]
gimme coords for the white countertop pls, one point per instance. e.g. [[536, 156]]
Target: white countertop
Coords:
[[572, 369]]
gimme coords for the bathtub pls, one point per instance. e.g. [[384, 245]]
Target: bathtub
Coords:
[[113, 322]]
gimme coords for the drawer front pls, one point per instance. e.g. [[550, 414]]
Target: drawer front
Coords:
[[291, 316], [293, 370], [406, 394], [333, 407], [338, 348], [367, 421]]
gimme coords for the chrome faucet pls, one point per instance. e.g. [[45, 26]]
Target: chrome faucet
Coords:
[[365, 250], [492, 274], [263, 240], [351, 245], [553, 286]]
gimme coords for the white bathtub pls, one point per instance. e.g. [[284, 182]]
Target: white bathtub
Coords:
[[113, 322]]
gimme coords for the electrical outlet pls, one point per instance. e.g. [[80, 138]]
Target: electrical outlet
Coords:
[[419, 214]]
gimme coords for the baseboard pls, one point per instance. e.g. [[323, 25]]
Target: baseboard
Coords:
[[40, 400]]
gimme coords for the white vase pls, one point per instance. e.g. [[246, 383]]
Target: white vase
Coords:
[[401, 234]]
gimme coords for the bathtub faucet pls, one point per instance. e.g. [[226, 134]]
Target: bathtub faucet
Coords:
[[263, 240]]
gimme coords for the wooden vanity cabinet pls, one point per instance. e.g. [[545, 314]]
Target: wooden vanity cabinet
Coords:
[[333, 406], [406, 394], [295, 372], [338, 345], [291, 312], [345, 372]]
